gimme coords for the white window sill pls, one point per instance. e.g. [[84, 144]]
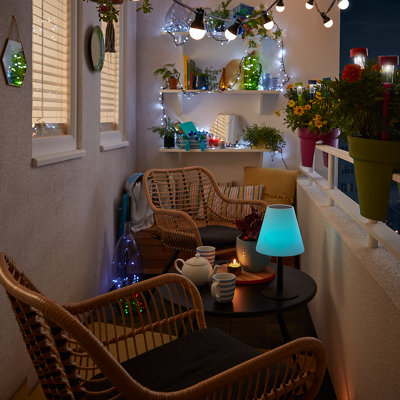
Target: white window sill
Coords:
[[46, 159], [113, 145]]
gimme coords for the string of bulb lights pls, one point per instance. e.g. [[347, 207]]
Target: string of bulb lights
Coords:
[[197, 29]]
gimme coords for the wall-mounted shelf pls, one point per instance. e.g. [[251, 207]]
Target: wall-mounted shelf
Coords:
[[227, 150], [266, 97], [225, 92]]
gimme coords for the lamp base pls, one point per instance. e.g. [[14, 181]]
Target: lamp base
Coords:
[[273, 294]]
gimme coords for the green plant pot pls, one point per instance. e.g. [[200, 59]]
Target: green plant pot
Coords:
[[250, 259], [374, 162]]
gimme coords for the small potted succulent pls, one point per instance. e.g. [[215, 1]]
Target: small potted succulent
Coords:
[[169, 74], [167, 132], [249, 258]]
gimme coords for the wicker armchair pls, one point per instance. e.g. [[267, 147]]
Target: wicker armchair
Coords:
[[139, 342], [190, 210]]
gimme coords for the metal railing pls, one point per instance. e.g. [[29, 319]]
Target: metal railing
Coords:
[[377, 232]]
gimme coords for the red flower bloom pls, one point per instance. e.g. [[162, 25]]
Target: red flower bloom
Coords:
[[103, 8], [351, 72], [376, 67]]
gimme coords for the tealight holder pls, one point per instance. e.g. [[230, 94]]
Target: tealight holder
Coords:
[[235, 268]]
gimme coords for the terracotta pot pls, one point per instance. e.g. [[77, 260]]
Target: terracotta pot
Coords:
[[250, 259], [374, 162], [173, 83]]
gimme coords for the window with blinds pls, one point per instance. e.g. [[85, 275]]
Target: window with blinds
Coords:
[[109, 102], [50, 67]]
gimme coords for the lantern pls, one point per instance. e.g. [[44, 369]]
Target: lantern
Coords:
[[388, 63], [359, 56], [312, 84]]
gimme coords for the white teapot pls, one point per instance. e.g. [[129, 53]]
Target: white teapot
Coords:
[[197, 269]]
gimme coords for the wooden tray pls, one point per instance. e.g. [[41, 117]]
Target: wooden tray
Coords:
[[251, 278]]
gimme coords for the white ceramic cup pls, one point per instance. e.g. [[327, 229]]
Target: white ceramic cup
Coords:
[[223, 287], [208, 252]]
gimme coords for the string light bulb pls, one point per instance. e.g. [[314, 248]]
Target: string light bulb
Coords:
[[231, 32], [327, 21], [197, 30], [343, 4], [310, 4], [280, 6], [268, 22]]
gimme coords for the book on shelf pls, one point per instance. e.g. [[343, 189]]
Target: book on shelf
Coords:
[[185, 71]]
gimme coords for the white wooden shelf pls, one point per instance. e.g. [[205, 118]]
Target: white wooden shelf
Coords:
[[214, 150], [227, 150], [265, 96], [225, 92]]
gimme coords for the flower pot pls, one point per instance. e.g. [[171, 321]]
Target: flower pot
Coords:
[[331, 139], [308, 141], [307, 146], [374, 162], [173, 83], [250, 259], [169, 142]]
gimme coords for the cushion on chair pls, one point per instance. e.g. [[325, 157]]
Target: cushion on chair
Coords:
[[216, 235], [186, 361], [279, 184]]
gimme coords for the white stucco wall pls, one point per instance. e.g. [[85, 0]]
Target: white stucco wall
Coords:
[[59, 221], [312, 52], [356, 310]]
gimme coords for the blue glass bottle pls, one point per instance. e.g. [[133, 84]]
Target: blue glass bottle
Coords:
[[126, 265]]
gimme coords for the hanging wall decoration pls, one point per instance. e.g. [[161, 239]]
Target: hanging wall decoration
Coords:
[[14, 61]]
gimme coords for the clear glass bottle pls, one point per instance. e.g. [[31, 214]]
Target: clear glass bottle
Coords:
[[126, 265]]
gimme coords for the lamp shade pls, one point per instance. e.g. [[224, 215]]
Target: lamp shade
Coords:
[[280, 234]]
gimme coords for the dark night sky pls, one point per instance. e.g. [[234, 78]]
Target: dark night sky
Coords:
[[374, 24]]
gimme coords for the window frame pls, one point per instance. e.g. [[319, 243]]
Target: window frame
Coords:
[[111, 140], [52, 149]]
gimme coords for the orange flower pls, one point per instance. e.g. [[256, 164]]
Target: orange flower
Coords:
[[277, 112], [291, 103], [307, 107], [288, 87], [299, 110], [351, 72]]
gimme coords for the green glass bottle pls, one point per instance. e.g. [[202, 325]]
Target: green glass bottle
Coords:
[[252, 72]]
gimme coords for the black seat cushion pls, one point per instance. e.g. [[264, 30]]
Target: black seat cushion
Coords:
[[186, 361], [217, 236]]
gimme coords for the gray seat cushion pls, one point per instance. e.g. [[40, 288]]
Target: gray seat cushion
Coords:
[[186, 361], [219, 236]]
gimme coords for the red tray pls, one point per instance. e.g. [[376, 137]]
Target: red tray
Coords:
[[251, 278]]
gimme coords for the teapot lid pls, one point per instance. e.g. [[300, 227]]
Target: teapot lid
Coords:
[[197, 260]]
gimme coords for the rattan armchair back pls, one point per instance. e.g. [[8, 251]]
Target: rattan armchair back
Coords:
[[186, 199], [71, 344]]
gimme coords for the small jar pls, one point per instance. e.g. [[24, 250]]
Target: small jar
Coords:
[[299, 87]]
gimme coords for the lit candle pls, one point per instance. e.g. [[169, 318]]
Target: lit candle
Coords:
[[235, 267]]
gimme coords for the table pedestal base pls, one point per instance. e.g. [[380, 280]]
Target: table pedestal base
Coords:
[[274, 294]]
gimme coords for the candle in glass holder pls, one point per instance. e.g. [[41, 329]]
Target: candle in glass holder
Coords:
[[235, 267]]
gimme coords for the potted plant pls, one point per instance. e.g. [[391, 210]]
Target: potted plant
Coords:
[[264, 137], [169, 74], [312, 114], [374, 141], [166, 131], [207, 79], [246, 242], [217, 25]]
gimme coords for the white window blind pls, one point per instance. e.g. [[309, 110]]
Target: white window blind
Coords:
[[50, 67], [109, 102]]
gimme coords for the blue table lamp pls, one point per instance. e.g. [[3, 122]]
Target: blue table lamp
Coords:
[[280, 237]]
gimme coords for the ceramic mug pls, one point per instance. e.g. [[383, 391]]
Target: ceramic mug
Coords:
[[223, 287], [207, 252]]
